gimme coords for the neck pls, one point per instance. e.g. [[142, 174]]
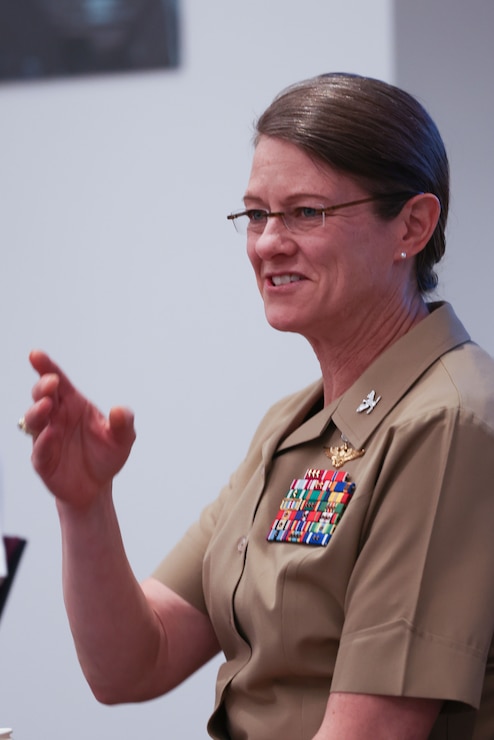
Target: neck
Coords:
[[353, 348]]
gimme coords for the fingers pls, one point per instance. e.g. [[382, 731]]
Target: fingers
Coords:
[[46, 401], [45, 394], [45, 366], [41, 362], [57, 400], [36, 418], [47, 385]]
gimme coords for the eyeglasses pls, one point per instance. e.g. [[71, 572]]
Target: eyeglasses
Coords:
[[300, 219]]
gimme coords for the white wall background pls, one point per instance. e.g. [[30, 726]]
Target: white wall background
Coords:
[[118, 260], [444, 54]]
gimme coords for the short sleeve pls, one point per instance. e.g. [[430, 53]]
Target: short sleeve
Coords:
[[419, 612]]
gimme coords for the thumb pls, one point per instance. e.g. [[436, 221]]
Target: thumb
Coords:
[[122, 425]]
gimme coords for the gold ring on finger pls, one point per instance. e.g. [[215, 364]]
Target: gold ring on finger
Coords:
[[23, 426]]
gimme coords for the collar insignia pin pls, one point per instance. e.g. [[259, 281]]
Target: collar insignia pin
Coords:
[[369, 403]]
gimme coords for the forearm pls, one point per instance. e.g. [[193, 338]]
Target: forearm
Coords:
[[117, 636]]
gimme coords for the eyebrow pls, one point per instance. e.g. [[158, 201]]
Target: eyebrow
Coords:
[[293, 198]]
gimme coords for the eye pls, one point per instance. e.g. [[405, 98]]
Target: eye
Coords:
[[307, 213], [256, 215]]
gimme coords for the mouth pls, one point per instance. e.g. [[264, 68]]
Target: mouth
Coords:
[[284, 279]]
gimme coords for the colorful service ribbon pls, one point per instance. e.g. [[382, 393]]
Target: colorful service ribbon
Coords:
[[312, 508]]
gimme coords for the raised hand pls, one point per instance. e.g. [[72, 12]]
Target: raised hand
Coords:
[[76, 449]]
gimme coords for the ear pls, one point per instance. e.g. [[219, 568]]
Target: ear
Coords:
[[418, 219]]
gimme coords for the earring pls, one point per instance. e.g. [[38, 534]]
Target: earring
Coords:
[[403, 255]]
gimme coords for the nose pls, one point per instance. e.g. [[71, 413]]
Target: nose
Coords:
[[275, 239]]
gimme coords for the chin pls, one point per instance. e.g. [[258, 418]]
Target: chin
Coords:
[[283, 322]]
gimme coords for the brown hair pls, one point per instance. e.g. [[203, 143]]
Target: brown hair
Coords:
[[374, 132]]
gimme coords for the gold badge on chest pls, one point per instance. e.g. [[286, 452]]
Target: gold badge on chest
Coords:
[[342, 454]]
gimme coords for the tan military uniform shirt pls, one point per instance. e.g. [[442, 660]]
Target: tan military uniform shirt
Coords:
[[400, 600]]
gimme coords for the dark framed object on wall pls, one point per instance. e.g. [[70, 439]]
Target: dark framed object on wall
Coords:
[[14, 547], [60, 38]]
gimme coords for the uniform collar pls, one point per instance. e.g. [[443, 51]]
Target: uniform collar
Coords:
[[388, 378]]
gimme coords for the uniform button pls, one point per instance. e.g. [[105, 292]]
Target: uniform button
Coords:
[[242, 544]]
